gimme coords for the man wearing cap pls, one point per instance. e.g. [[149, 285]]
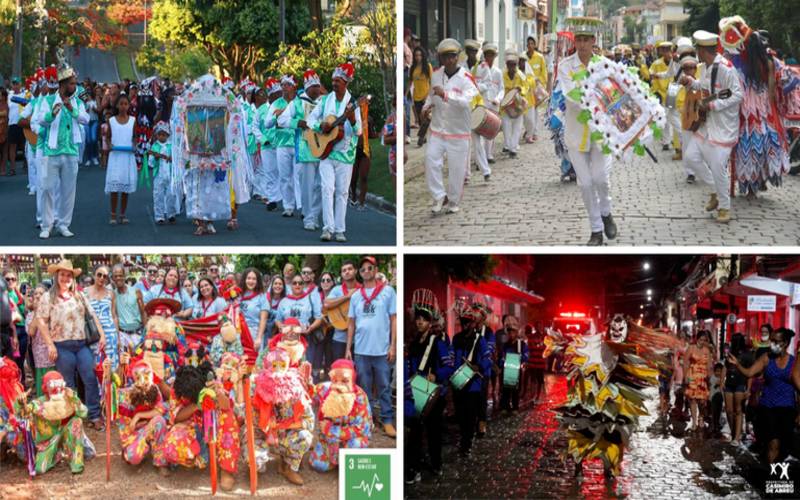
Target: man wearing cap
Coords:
[[372, 331], [661, 73], [284, 141], [336, 170], [471, 47], [689, 64], [719, 133], [490, 84], [536, 70], [269, 153], [592, 167], [513, 79], [684, 48], [65, 115], [640, 61], [450, 101], [307, 165]]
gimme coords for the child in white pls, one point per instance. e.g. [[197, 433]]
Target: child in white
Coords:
[[121, 170]]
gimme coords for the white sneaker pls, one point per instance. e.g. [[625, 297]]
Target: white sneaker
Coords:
[[65, 232], [326, 236], [437, 206], [452, 209], [44, 234], [340, 237], [311, 227]]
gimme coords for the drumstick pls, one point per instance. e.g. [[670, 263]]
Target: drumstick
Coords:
[[467, 362], [650, 154]]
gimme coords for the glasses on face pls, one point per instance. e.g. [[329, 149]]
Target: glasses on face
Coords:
[[101, 275], [367, 269], [297, 282], [11, 279], [327, 280], [214, 269], [308, 271], [152, 271]]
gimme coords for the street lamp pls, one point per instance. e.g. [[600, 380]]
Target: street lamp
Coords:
[[649, 291], [641, 306], [646, 266]]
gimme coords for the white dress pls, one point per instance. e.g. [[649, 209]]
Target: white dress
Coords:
[[121, 172]]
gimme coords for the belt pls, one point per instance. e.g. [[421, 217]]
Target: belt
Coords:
[[130, 332]]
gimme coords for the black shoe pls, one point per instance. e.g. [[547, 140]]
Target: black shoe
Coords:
[[505, 150], [609, 227], [486, 177], [665, 147], [511, 154], [595, 240], [272, 206], [491, 161], [690, 179]]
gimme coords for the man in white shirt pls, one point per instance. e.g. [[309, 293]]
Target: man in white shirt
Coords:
[[15, 136], [592, 167], [716, 137], [450, 100], [490, 84]]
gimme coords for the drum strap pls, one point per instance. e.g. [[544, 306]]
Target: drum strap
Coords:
[[483, 330], [519, 346], [472, 351], [425, 356]]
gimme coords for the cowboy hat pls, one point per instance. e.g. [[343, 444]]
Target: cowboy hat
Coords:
[[152, 308], [64, 265]]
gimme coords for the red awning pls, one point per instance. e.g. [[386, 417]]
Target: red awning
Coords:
[[500, 290]]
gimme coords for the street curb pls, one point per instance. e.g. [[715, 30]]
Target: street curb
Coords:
[[380, 203]]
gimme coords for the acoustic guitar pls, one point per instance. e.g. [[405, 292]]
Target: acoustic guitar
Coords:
[[337, 316], [693, 117], [322, 144]]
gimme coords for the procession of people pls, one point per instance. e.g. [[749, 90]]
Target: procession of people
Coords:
[[153, 135], [723, 101], [210, 370]]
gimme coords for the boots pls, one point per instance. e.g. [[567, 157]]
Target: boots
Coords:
[[723, 216], [713, 203], [287, 472]]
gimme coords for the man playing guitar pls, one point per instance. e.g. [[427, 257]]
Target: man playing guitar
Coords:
[[707, 155]]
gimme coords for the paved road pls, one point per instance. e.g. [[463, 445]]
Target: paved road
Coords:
[[90, 221], [520, 457], [99, 65], [525, 204]]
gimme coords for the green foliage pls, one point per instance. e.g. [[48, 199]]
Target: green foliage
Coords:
[[173, 63], [703, 15]]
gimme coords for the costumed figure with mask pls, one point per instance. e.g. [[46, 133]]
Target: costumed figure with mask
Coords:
[[285, 415], [11, 392], [148, 108], [606, 373], [294, 344], [230, 409], [142, 410], [58, 426], [157, 168], [344, 417], [226, 341]]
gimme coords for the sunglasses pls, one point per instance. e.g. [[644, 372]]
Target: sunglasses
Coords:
[[297, 282], [367, 268], [101, 275], [152, 271], [307, 272], [214, 269], [326, 280], [11, 279]]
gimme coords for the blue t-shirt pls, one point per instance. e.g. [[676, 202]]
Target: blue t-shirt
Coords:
[[306, 310], [200, 311], [251, 309], [158, 292], [373, 328], [338, 335], [272, 315]]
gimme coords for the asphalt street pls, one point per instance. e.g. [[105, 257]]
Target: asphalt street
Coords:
[[92, 212]]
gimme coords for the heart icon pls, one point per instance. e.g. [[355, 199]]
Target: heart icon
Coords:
[[379, 486]]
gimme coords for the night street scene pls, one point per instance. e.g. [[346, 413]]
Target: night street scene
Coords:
[[591, 376]]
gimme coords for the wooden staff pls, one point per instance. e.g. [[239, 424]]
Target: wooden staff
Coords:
[[364, 108], [251, 441]]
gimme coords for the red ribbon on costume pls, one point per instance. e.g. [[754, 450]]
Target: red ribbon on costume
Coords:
[[203, 330]]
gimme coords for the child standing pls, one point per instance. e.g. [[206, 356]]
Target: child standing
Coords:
[[158, 167], [715, 397], [121, 172]]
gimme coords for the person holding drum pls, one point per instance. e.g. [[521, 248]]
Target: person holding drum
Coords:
[[512, 357], [473, 370], [450, 103], [430, 355], [490, 84], [592, 167], [536, 70], [513, 104], [483, 313]]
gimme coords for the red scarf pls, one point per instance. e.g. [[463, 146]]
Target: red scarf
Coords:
[[273, 304], [171, 294], [249, 297], [345, 290], [205, 307], [302, 295], [375, 292], [146, 284]]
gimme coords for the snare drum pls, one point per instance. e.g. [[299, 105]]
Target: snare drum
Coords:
[[485, 122], [540, 93], [513, 103], [672, 95], [511, 370], [425, 394], [462, 377]]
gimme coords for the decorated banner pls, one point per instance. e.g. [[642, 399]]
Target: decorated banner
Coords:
[[618, 107]]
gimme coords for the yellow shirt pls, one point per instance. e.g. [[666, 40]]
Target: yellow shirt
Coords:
[[519, 81], [659, 85], [421, 83]]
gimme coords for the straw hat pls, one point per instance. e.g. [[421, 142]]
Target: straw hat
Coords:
[[64, 265]]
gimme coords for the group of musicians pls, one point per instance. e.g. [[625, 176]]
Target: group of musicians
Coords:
[[474, 367], [462, 91], [689, 70]]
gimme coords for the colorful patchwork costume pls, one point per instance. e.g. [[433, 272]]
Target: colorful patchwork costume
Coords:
[[146, 434]]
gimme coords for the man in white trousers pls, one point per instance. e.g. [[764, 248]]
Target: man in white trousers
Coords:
[[490, 84], [513, 79], [309, 165], [65, 115], [269, 153], [716, 137], [335, 170], [592, 167], [284, 142], [452, 90]]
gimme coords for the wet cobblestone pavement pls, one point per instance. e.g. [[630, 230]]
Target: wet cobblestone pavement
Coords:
[[520, 457]]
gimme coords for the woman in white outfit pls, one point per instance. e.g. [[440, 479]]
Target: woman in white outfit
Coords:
[[121, 172]]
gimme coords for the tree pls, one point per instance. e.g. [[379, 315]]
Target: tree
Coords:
[[703, 15], [126, 13], [380, 20]]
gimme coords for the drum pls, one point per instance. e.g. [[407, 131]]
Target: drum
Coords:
[[485, 122], [462, 376], [425, 394], [672, 95], [511, 370], [513, 103], [541, 94]]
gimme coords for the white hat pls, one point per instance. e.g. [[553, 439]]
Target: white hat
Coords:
[[469, 43], [448, 46], [489, 47], [703, 38], [511, 56]]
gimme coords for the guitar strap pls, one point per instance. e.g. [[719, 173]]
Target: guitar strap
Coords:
[[714, 70]]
